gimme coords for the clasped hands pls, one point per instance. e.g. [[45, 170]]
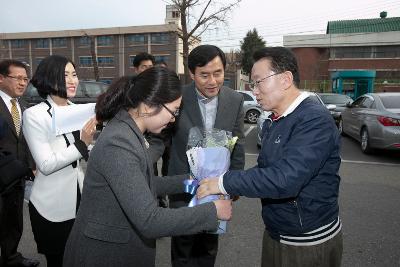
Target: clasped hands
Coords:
[[209, 186]]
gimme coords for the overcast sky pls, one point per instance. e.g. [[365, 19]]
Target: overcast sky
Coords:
[[272, 19]]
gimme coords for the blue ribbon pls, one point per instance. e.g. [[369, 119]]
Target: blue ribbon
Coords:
[[191, 186]]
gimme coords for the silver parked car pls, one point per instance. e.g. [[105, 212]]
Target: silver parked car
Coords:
[[251, 108], [373, 120], [266, 114], [336, 103]]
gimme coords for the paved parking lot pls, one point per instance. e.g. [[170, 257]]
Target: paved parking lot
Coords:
[[369, 197]]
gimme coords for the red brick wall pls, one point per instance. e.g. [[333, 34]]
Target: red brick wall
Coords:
[[313, 63]]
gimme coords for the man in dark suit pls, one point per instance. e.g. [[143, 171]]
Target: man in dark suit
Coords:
[[13, 82], [207, 104]]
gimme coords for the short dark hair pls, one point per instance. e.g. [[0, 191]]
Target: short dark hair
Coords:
[[49, 77], [201, 55], [154, 87], [282, 59], [7, 63], [141, 57]]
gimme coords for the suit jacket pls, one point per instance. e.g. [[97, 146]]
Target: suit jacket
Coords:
[[119, 219], [229, 117], [54, 191], [10, 141]]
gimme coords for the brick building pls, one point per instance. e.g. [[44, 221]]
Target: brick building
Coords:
[[115, 47], [363, 44]]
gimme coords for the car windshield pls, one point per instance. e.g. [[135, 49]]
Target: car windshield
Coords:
[[314, 98], [79, 92], [335, 99], [391, 101], [94, 89]]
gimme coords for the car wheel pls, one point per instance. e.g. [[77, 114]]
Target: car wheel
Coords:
[[340, 127], [252, 116], [365, 144]]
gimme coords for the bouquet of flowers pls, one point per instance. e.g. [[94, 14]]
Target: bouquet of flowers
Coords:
[[208, 154]]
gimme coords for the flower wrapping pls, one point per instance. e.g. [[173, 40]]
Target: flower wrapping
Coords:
[[208, 154]]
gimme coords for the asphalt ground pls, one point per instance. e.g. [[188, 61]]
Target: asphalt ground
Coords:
[[369, 200]]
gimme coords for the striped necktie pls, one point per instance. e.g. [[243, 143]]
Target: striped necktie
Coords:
[[15, 115]]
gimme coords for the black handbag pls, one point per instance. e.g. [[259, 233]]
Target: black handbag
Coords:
[[12, 171]]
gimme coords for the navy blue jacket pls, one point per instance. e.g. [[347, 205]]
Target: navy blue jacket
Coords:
[[297, 172]]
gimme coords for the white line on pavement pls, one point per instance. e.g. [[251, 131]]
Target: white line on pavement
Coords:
[[351, 161], [370, 162], [249, 130]]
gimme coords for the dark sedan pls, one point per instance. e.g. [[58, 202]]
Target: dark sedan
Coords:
[[373, 120], [87, 92], [337, 103]]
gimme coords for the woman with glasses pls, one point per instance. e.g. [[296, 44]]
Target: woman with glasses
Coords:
[[119, 218], [59, 177]]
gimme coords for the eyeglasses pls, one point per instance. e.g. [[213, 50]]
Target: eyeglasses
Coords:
[[255, 84], [173, 113], [19, 78]]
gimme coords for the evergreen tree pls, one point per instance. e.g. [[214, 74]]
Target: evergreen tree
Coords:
[[251, 43]]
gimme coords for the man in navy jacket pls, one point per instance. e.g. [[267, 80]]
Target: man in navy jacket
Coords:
[[297, 172]]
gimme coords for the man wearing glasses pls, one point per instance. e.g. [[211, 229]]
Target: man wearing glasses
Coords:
[[297, 173], [13, 82], [207, 104]]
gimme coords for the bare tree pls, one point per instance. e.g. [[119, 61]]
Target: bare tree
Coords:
[[209, 14], [95, 64]]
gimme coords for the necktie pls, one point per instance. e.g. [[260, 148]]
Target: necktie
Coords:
[[15, 115]]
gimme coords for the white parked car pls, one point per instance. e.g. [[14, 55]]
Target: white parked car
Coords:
[[252, 109]]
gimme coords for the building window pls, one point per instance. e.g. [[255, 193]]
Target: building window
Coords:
[[85, 61], [352, 52], [175, 14], [105, 61], [104, 41], [159, 38], [366, 52], [131, 59], [59, 42], [42, 43], [161, 58], [136, 39], [84, 41], [18, 43], [387, 51]]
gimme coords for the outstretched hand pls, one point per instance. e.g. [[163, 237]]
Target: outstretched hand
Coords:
[[208, 186], [224, 209]]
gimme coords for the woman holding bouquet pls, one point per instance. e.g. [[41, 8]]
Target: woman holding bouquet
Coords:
[[119, 218]]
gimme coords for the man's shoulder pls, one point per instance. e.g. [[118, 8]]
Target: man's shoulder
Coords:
[[312, 108], [229, 92], [309, 111]]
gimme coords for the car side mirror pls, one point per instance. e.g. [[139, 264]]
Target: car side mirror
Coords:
[[349, 105], [331, 107]]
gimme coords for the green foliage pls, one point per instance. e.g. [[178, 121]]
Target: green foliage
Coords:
[[251, 43]]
